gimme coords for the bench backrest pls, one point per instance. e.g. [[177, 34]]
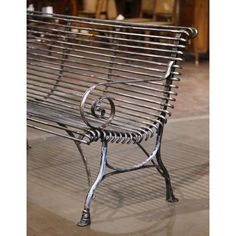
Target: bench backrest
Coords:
[[67, 55]]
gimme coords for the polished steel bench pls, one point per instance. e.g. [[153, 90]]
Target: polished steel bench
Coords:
[[96, 80]]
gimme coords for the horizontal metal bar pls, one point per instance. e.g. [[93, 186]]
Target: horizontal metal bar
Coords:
[[118, 24], [124, 58], [101, 78], [154, 111], [93, 29], [114, 50], [151, 43], [119, 121], [50, 103], [125, 88], [76, 86], [135, 123], [113, 62], [157, 77], [108, 67], [110, 92], [57, 134], [133, 103], [32, 92], [114, 172], [67, 37], [143, 105], [128, 113], [65, 128], [80, 95], [60, 97], [94, 65], [63, 84], [129, 125]]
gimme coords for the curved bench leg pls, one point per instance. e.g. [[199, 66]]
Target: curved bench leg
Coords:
[[170, 197], [85, 218], [84, 159], [162, 169]]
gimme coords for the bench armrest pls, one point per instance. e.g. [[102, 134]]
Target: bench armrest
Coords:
[[100, 113]]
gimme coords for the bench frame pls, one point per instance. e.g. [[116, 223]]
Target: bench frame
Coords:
[[152, 159]]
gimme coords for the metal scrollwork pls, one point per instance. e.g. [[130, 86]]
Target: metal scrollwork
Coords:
[[98, 110]]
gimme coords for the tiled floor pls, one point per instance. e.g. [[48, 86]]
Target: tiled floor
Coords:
[[131, 203]]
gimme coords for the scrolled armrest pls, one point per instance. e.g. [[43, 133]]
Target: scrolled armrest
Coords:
[[104, 115], [98, 111]]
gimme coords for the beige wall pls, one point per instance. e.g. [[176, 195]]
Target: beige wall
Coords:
[[163, 6], [90, 5]]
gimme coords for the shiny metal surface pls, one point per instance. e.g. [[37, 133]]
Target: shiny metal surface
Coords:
[[91, 80]]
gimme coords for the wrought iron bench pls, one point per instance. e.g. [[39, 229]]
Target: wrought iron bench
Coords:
[[96, 80]]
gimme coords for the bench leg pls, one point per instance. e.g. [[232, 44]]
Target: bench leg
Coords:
[[78, 145], [170, 197], [84, 159], [162, 169], [85, 219]]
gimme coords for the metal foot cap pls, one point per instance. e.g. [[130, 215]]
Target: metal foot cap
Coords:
[[85, 219], [172, 199]]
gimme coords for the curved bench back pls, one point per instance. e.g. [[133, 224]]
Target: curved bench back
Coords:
[[135, 65]]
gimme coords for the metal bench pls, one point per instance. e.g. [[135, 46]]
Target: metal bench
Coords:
[[95, 80]]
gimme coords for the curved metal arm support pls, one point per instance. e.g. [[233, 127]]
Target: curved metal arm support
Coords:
[[96, 106]]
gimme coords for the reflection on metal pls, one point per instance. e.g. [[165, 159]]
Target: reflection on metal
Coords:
[[97, 107], [113, 81]]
